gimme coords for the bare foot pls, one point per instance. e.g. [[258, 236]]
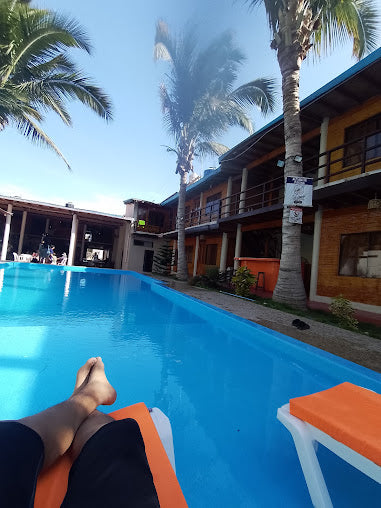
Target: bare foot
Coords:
[[83, 373], [92, 382]]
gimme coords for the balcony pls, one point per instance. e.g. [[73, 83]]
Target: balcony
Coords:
[[344, 162]]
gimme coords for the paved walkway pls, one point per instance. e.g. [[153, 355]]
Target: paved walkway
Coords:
[[353, 346]]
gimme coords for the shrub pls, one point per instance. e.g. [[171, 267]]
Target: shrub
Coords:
[[242, 281], [211, 276], [197, 280], [343, 310]]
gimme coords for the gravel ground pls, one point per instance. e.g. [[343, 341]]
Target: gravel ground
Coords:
[[353, 346]]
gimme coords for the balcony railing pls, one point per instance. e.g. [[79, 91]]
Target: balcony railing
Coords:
[[349, 159]]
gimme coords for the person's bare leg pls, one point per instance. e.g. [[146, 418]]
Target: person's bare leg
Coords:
[[87, 429], [58, 425]]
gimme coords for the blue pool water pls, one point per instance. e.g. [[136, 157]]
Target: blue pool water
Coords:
[[219, 378]]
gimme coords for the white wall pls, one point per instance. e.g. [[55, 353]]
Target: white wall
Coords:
[[136, 255]]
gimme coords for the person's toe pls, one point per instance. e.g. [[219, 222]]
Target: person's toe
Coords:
[[84, 371]]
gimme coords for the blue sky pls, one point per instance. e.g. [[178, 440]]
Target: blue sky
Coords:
[[124, 158]]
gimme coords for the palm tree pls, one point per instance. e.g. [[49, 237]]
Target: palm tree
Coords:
[[297, 26], [199, 104], [36, 74]]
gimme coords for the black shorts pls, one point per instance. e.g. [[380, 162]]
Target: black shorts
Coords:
[[111, 470]]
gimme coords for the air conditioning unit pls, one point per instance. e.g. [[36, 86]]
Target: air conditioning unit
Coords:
[[69, 205]]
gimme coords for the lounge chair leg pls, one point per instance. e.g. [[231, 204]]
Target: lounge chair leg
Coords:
[[304, 445]]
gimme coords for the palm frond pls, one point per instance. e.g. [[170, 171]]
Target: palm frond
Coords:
[[33, 131], [164, 45], [259, 92], [211, 148], [345, 20], [41, 35]]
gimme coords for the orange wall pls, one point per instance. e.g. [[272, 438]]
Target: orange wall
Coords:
[[222, 187], [336, 134], [336, 223]]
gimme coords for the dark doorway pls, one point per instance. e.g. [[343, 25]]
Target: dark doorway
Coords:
[[148, 260]]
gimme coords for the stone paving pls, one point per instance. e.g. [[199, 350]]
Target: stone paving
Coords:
[[353, 346]]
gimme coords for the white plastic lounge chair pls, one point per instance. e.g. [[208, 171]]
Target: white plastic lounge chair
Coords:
[[306, 438], [15, 256], [25, 258]]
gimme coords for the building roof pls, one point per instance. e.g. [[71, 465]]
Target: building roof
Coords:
[[356, 85], [61, 210], [141, 202]]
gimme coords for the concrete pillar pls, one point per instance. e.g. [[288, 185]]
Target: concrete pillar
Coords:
[[315, 253], [224, 252], [22, 232], [47, 222], [242, 196], [197, 248], [126, 245], [73, 240], [323, 148], [119, 248], [7, 230], [226, 206], [238, 245], [84, 229], [173, 255]]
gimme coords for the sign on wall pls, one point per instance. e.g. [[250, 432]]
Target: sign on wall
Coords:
[[296, 215], [298, 191]]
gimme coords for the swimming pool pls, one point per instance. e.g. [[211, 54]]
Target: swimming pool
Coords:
[[219, 378]]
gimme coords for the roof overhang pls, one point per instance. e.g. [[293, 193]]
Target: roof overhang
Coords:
[[348, 90], [38, 207]]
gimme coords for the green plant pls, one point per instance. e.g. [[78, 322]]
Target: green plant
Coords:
[[344, 312], [211, 277], [162, 262], [242, 281]]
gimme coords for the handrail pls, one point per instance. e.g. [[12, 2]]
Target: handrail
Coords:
[[270, 192]]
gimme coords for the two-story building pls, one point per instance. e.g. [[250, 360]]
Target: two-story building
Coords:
[[235, 211]]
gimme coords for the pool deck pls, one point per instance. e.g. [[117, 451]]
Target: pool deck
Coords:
[[352, 346]]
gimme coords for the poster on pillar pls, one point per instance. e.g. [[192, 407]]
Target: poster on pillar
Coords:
[[298, 191], [296, 215]]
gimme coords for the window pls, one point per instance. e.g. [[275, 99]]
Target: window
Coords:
[[211, 254], [360, 255], [367, 132], [142, 243], [213, 204]]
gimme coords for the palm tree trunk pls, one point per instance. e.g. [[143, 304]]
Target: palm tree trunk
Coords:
[[182, 267], [289, 287]]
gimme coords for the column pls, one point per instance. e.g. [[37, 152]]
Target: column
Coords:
[[323, 148], [83, 242], [197, 248], [73, 239], [238, 244], [242, 196], [47, 225], [200, 206], [126, 245], [22, 232], [119, 249], [226, 206], [7, 230], [315, 253], [224, 252]]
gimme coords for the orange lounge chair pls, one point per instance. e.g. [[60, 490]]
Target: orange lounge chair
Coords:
[[346, 419], [157, 435]]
